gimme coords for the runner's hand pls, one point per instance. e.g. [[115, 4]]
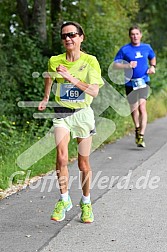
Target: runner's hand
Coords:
[[62, 70], [42, 105], [151, 70], [133, 64]]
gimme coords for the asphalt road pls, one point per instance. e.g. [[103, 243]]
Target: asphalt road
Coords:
[[128, 195]]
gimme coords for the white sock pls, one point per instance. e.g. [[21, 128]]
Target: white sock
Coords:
[[86, 199], [64, 196]]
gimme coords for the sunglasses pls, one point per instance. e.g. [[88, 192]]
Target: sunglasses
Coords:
[[70, 35]]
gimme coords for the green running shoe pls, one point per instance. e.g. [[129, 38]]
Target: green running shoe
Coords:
[[60, 209], [137, 135], [141, 142], [87, 214]]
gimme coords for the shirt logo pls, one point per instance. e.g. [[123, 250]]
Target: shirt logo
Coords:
[[82, 67], [138, 55]]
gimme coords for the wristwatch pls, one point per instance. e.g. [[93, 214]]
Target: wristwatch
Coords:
[[153, 66]]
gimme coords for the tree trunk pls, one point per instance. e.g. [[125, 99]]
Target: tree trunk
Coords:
[[39, 19], [56, 21], [22, 8], [34, 21]]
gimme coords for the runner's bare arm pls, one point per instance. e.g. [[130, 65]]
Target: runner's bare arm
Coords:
[[151, 69], [91, 89], [48, 85], [118, 65]]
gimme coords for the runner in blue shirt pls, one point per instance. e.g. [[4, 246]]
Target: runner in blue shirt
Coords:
[[134, 58]]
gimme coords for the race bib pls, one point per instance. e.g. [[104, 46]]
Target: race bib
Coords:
[[71, 93], [138, 83]]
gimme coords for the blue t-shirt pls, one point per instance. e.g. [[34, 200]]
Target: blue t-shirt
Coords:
[[141, 54]]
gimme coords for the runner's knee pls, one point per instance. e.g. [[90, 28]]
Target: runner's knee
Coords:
[[62, 159], [84, 165]]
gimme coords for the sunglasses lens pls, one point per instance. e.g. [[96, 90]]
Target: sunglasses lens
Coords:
[[63, 36], [70, 35]]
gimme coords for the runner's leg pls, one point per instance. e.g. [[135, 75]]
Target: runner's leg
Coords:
[[143, 116], [84, 147], [62, 138], [135, 114]]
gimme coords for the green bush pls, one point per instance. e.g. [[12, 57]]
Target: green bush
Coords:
[[22, 59]]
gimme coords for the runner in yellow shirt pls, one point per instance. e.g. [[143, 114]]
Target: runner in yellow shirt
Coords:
[[78, 78]]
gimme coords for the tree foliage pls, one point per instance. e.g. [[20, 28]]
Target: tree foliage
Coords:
[[152, 13]]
